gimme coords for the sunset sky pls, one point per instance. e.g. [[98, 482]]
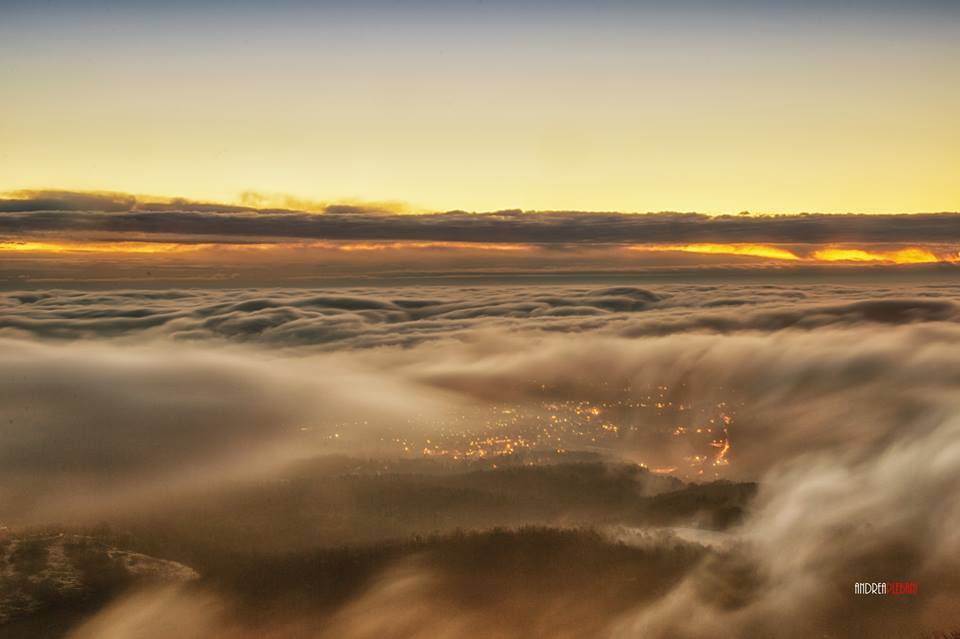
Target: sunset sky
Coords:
[[426, 319], [777, 106]]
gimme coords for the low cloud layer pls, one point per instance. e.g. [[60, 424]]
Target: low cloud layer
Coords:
[[367, 317], [94, 427], [843, 401]]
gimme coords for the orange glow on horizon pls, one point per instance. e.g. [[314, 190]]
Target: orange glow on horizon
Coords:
[[752, 250], [908, 255], [826, 254], [99, 247], [912, 255], [137, 247], [384, 246]]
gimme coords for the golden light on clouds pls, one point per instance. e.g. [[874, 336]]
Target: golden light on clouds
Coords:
[[99, 247], [768, 252], [752, 250], [907, 255], [387, 246], [160, 248], [911, 255]]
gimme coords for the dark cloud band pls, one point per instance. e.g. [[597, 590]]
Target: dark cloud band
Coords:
[[74, 213]]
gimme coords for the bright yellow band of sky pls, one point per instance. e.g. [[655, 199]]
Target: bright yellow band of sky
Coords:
[[631, 109]]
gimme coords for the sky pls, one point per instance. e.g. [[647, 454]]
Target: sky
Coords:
[[602, 106]]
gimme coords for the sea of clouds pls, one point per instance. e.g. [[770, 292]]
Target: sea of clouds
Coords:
[[849, 419]]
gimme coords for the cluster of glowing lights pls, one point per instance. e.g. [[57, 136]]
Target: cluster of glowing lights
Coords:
[[536, 433]]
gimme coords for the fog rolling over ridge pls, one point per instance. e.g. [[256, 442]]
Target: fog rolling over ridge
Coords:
[[580, 460]]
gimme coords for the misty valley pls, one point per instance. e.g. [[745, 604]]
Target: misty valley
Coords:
[[532, 461]]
